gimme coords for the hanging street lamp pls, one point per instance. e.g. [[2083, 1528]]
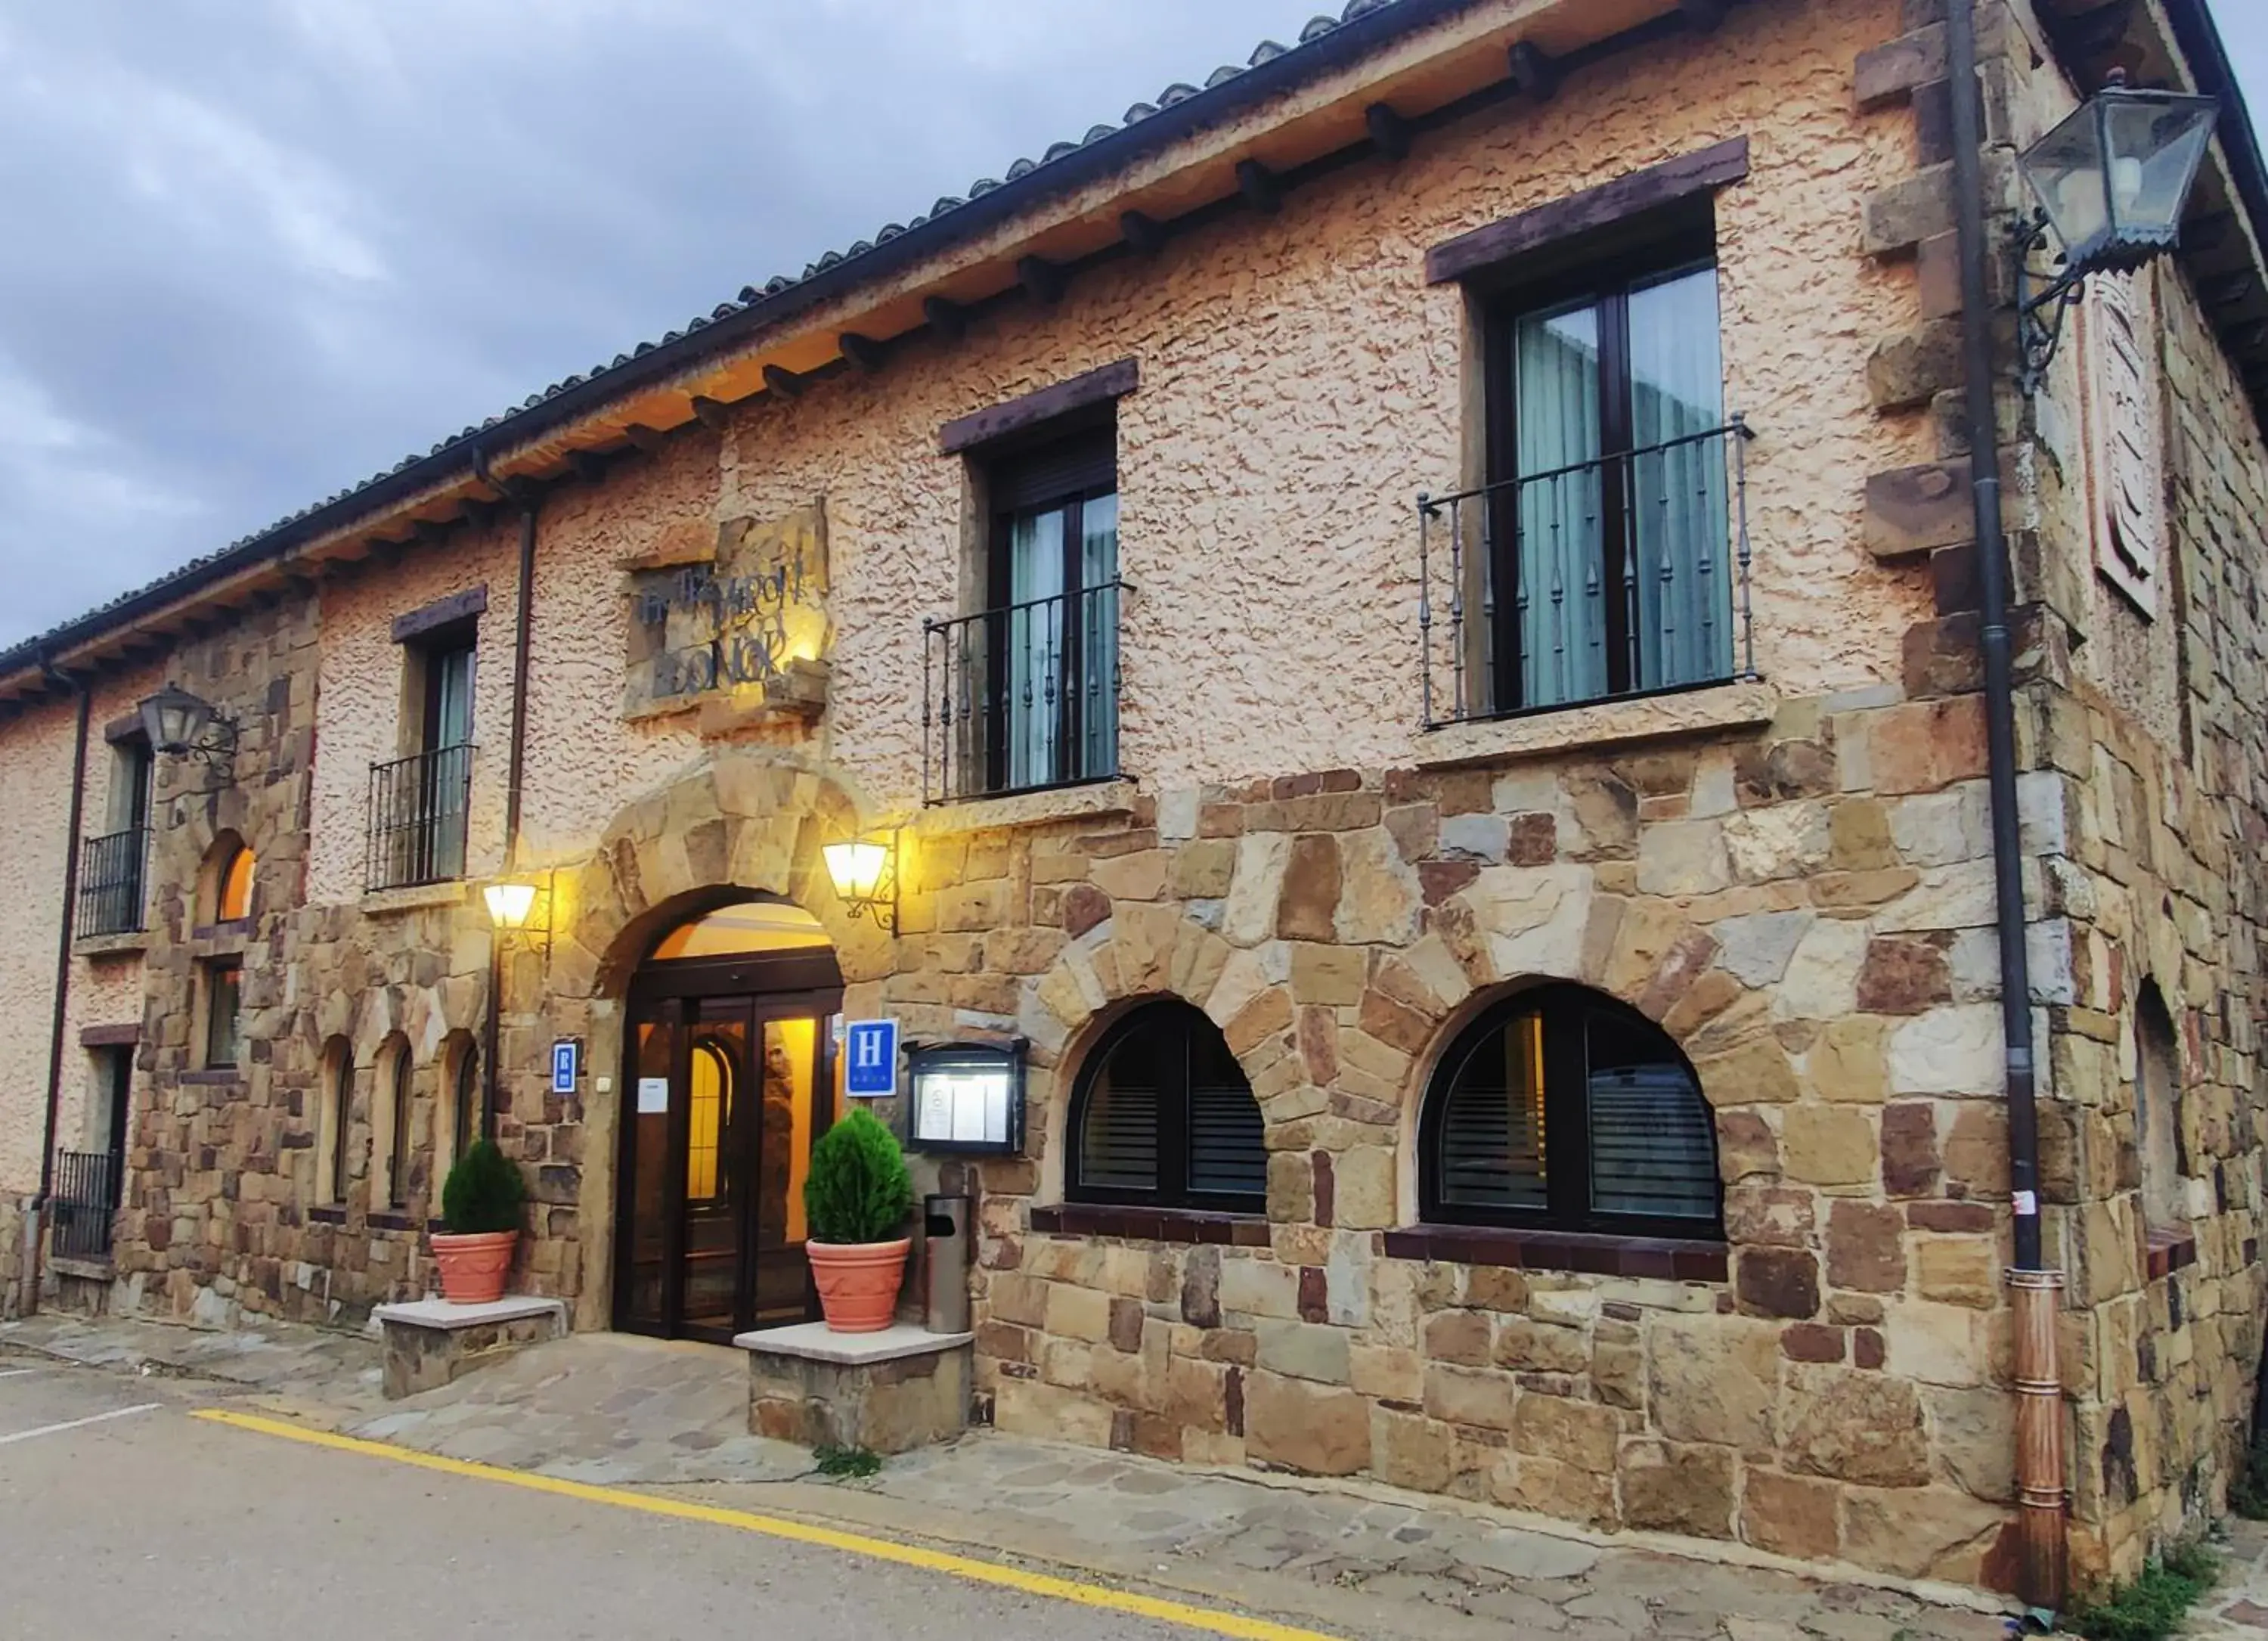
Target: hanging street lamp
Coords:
[[2112, 181]]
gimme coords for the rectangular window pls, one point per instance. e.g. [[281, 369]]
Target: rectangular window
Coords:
[[1607, 569], [112, 865], [1025, 691], [224, 1011], [420, 802], [1053, 578]]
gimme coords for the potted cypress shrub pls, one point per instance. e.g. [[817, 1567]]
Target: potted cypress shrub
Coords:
[[480, 1205], [855, 1201]]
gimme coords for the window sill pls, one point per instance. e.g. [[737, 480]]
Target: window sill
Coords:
[[126, 942], [421, 898], [1152, 1224], [2165, 1251], [1027, 808], [212, 1077], [1663, 1258], [1715, 710], [84, 1269], [395, 1220], [326, 1214]]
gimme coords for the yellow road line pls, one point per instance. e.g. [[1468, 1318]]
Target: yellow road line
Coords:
[[800, 1532]]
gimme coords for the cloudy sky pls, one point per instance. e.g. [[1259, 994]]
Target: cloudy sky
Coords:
[[255, 250]]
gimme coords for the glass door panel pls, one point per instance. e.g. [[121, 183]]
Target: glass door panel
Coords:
[[646, 1200], [793, 1074], [712, 1173]]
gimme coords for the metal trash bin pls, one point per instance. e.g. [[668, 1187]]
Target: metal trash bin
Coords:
[[946, 1247]]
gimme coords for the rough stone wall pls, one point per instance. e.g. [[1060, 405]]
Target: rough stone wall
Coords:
[[38, 764], [1301, 385], [362, 691], [2162, 880], [1796, 907]]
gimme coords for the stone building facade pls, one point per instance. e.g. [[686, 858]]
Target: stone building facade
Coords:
[[1787, 871]]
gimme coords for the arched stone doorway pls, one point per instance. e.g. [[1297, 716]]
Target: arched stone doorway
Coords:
[[736, 826], [729, 1074]]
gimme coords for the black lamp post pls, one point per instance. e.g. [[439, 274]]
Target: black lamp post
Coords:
[[2112, 181]]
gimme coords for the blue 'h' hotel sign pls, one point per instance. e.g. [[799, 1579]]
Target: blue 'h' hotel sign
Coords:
[[870, 1058]]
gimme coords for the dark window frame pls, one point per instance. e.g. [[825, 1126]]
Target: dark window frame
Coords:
[[1060, 439], [215, 968], [1172, 1189], [400, 1150], [1605, 265], [1565, 1009], [342, 1119]]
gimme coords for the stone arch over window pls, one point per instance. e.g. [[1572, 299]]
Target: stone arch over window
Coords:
[[1162, 1115], [226, 880], [393, 1124], [334, 1122], [457, 1123], [2158, 1111], [1559, 1107]]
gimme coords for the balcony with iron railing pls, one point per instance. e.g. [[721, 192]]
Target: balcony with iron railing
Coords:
[[1621, 576], [112, 883], [419, 811], [83, 1203], [1023, 697]]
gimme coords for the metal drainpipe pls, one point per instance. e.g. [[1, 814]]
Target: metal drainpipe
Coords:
[[524, 606], [30, 1296], [2034, 1290]]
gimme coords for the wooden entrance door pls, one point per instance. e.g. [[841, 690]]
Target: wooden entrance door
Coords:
[[724, 1091]]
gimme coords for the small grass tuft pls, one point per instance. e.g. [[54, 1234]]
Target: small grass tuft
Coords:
[[2149, 1607], [846, 1463]]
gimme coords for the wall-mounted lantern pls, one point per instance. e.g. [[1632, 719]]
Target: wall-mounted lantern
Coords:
[[967, 1098], [178, 724], [2112, 181], [864, 873], [520, 909]]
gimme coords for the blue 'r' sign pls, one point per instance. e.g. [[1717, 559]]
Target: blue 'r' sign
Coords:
[[870, 1058]]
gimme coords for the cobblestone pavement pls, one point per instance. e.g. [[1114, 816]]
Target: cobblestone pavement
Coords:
[[2239, 1607], [621, 1411], [606, 1408]]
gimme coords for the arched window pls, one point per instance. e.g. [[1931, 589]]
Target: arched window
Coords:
[[390, 1126], [455, 1126], [1562, 1109], [2158, 1111], [1162, 1115], [233, 886], [334, 1115]]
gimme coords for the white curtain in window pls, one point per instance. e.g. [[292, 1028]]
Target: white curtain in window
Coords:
[[1679, 533], [1560, 596], [1034, 646], [1098, 628]]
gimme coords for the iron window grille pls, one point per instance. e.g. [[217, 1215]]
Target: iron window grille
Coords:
[[1022, 697], [83, 1203], [113, 881], [419, 809]]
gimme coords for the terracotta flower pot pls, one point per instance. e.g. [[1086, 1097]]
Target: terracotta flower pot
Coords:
[[858, 1282], [473, 1269]]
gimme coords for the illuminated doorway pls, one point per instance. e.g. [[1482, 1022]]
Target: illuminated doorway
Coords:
[[730, 1074]]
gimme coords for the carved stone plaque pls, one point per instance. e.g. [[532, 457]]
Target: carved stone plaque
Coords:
[[736, 628]]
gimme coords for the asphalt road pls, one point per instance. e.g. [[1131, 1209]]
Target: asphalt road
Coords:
[[122, 1515]]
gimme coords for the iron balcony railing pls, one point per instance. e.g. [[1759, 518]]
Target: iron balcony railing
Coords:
[[417, 813], [84, 1201], [1021, 698], [113, 873], [1626, 574]]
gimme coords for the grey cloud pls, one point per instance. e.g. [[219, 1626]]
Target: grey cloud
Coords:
[[256, 250]]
